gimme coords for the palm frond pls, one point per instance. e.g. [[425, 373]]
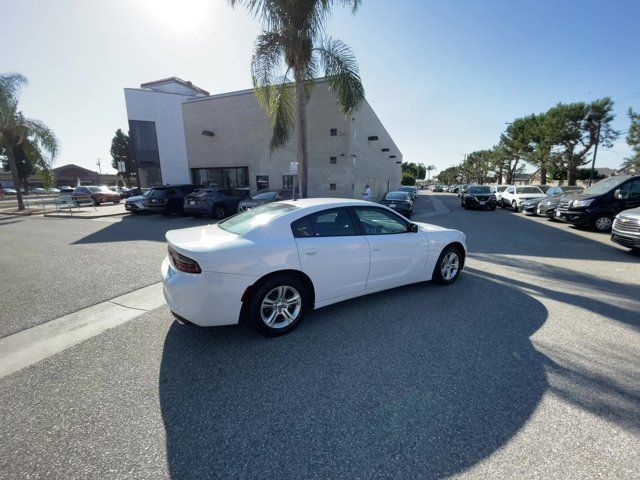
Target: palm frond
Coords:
[[341, 71], [41, 135], [278, 101], [10, 85], [266, 62]]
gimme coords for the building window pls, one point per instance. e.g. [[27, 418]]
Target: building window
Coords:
[[333, 132], [262, 182], [332, 186], [147, 158], [221, 177], [333, 160], [287, 181]]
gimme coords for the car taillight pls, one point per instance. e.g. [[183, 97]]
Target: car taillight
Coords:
[[182, 263]]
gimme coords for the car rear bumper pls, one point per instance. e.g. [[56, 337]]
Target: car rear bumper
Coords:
[[206, 299]]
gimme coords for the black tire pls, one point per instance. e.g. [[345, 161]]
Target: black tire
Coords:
[[502, 205], [219, 212], [438, 275], [514, 206], [603, 223], [265, 291]]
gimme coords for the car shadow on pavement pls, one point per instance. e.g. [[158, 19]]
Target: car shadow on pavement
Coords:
[[141, 227], [410, 383]]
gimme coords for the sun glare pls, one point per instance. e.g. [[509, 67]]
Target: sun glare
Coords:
[[179, 16]]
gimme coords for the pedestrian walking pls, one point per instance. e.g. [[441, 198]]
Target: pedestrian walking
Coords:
[[367, 195]]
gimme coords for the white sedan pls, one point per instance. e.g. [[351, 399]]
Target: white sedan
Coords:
[[272, 264], [513, 196]]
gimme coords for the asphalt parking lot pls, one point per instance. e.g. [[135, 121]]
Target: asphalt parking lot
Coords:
[[527, 367]]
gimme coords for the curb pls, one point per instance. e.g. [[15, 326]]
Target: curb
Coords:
[[85, 217]]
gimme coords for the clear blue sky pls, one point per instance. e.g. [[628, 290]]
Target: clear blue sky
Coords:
[[444, 76]]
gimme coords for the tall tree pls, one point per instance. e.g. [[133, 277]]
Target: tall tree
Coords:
[[632, 163], [515, 147], [449, 175], [477, 165], [288, 55], [577, 127], [18, 131], [122, 151], [539, 134]]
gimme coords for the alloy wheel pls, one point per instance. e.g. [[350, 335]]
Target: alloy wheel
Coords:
[[450, 266], [603, 224], [219, 212], [281, 307]]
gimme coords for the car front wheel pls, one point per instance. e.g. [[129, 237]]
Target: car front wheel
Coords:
[[219, 212], [603, 223], [278, 305], [514, 206], [448, 266]]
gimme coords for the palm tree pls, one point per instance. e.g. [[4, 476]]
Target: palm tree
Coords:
[[20, 132], [429, 169], [631, 165], [288, 55]]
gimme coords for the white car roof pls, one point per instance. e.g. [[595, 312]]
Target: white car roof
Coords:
[[308, 203]]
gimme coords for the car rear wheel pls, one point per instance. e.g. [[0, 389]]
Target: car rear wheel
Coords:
[[603, 223], [278, 305], [448, 265], [219, 212]]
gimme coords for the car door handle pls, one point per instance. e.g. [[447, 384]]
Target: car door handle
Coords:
[[311, 252]]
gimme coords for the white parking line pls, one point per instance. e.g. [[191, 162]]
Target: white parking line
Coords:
[[30, 346]]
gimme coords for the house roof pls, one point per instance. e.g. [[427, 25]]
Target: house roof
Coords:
[[73, 165], [184, 83]]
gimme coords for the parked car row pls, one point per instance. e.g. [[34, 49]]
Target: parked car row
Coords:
[[610, 205]]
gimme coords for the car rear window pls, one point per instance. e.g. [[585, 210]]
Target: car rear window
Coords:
[[396, 196], [254, 218]]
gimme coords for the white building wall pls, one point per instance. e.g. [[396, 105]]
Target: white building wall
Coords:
[[165, 109], [242, 136]]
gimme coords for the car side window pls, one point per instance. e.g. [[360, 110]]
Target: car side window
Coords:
[[634, 192], [377, 221], [335, 222], [510, 190]]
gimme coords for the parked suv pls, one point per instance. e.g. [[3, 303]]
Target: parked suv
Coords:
[[600, 203], [214, 201], [626, 229], [514, 195], [169, 198]]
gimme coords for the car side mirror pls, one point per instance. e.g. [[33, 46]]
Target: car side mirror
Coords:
[[617, 194], [413, 228]]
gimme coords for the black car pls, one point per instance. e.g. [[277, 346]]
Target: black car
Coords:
[[265, 196], [409, 189], [401, 202], [599, 204], [214, 201], [545, 206], [478, 196], [169, 199]]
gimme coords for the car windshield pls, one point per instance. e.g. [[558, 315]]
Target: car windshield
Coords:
[[481, 189], [529, 190], [254, 218], [396, 196], [266, 196], [604, 186]]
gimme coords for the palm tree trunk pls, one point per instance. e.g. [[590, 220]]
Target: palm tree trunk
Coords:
[[14, 175], [301, 130]]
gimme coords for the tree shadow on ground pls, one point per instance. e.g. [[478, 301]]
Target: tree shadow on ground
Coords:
[[408, 383]]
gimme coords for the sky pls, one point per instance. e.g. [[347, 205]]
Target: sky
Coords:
[[443, 76]]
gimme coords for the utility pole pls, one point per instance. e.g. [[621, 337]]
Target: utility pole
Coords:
[[99, 171]]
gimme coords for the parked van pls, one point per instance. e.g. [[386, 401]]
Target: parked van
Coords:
[[598, 205]]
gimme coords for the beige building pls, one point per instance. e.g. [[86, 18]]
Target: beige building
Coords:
[[227, 140]]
